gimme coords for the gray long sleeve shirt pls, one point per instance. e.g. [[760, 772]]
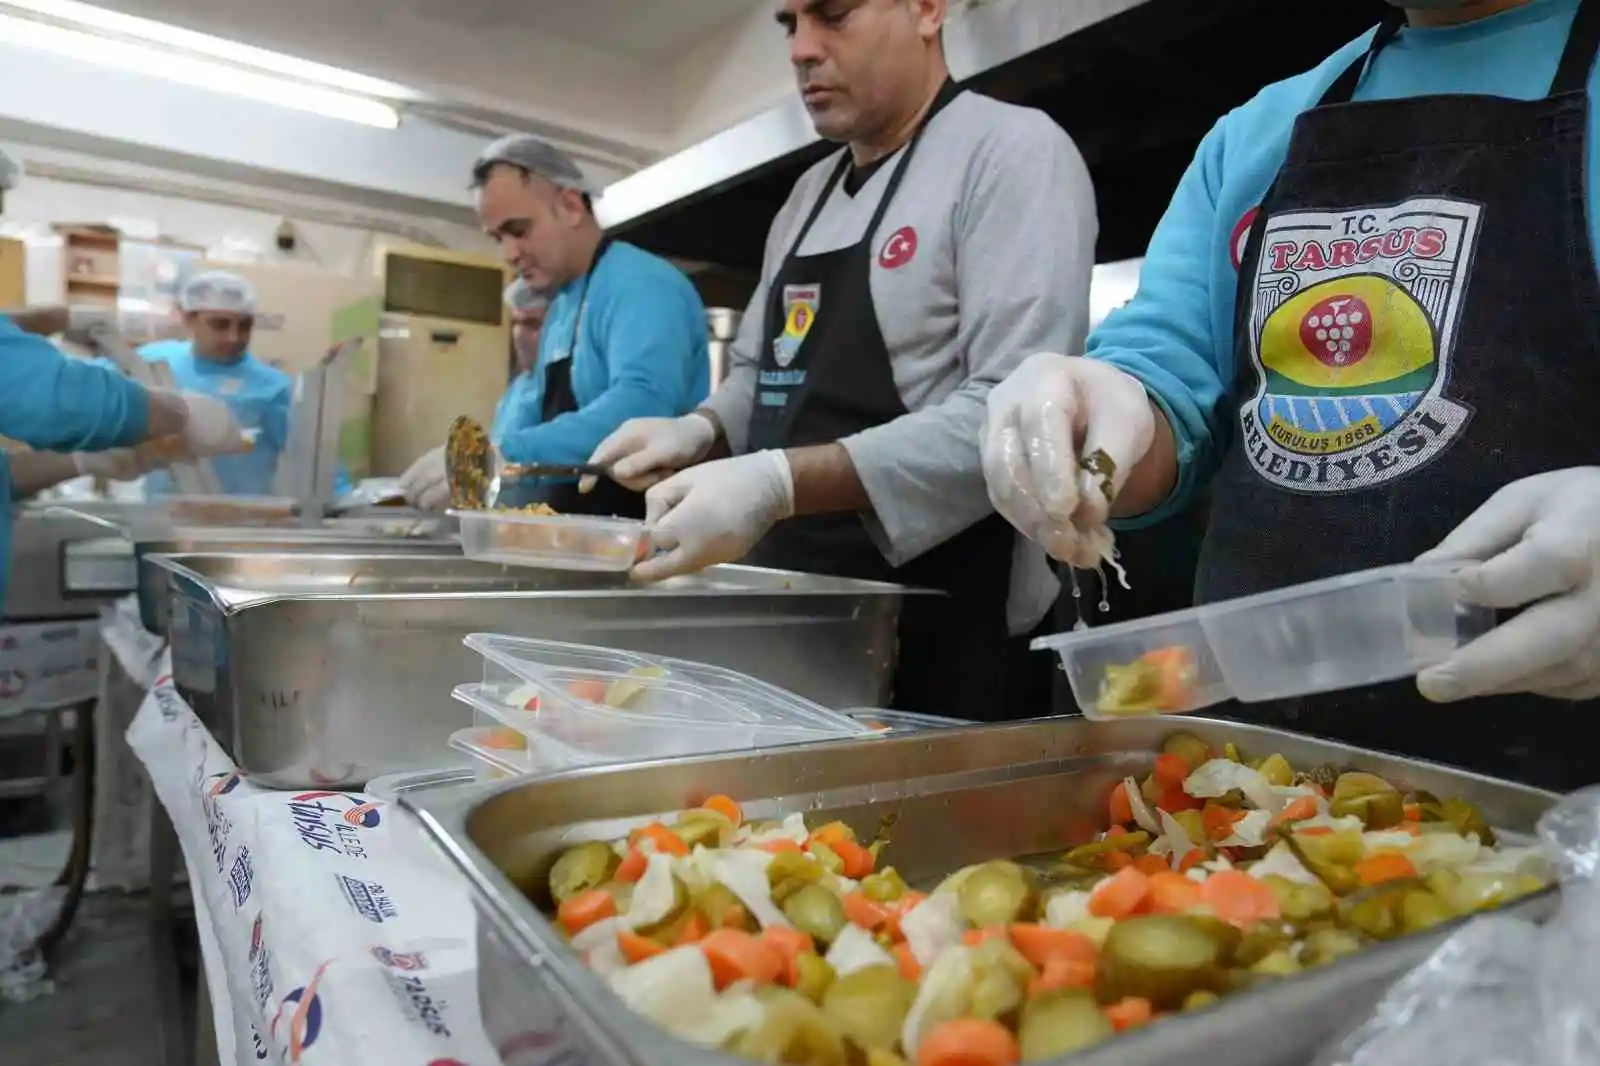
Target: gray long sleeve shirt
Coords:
[[1004, 218]]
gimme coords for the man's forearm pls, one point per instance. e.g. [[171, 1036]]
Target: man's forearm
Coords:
[[33, 472], [1152, 478], [40, 321], [825, 480], [168, 415]]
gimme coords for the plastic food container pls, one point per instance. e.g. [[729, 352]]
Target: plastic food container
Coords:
[[494, 756], [555, 542], [592, 704], [887, 721], [1343, 632]]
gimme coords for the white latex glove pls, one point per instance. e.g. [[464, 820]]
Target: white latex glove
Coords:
[[715, 512], [115, 464], [426, 484], [1537, 541], [210, 428], [644, 451], [84, 323], [1041, 420]]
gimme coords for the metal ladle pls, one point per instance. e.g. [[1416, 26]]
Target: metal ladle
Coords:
[[476, 470]]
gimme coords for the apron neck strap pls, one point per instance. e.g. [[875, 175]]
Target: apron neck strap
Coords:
[[583, 302], [1572, 73]]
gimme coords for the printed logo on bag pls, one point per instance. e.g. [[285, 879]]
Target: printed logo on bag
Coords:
[[224, 783], [899, 249], [800, 304], [410, 961], [166, 699], [418, 1004], [298, 1021], [367, 898], [260, 960], [1352, 327], [260, 1044], [333, 821]]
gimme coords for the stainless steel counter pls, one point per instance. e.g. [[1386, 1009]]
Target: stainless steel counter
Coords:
[[326, 670]]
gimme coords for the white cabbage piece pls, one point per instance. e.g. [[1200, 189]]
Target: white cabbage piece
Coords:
[[932, 926], [1141, 810], [854, 949], [672, 989], [1177, 838], [943, 996], [744, 873], [1218, 777], [1063, 910], [656, 894], [1249, 831], [1282, 862]]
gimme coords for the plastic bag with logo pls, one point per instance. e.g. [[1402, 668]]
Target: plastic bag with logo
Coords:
[[23, 916], [1503, 991]]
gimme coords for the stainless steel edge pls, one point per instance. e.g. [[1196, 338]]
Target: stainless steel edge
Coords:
[[1280, 1024], [984, 37]]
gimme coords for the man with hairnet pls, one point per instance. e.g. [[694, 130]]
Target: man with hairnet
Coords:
[[55, 403], [1369, 323], [625, 334], [219, 311]]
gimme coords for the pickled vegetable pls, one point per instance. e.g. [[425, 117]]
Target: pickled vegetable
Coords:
[[1059, 1023], [1377, 810], [1322, 776], [998, 893], [675, 910], [1261, 940], [1276, 769], [1280, 963], [1000, 980], [1331, 857], [1089, 854], [1162, 958], [869, 1006], [1188, 747], [791, 871], [1323, 946], [722, 908], [793, 1032], [813, 976], [703, 828], [588, 865], [1300, 903], [885, 886], [815, 910]]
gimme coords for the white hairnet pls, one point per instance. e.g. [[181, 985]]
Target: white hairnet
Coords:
[[534, 156], [520, 296], [10, 170], [218, 290]]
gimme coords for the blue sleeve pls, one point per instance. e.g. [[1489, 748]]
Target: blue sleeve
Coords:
[[51, 400], [652, 335], [1164, 336], [6, 519], [275, 419]]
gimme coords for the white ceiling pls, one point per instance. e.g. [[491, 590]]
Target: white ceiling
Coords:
[[644, 30]]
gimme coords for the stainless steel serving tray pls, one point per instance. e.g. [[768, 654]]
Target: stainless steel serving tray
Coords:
[[958, 796], [325, 670]]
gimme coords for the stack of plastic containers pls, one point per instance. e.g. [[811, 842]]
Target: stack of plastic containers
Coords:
[[576, 705]]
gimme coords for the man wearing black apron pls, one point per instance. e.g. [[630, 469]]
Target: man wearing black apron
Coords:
[[625, 333], [904, 276], [1475, 315]]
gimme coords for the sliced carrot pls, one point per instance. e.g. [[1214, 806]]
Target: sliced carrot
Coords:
[[739, 956], [1314, 831], [791, 944], [779, 846], [577, 913], [1120, 896], [1116, 860], [907, 962], [666, 841], [1413, 812], [725, 806], [1116, 831], [1236, 897], [969, 1042], [831, 834], [1173, 893], [1151, 864], [1040, 943], [1121, 806], [1129, 1013], [868, 914], [636, 948], [1176, 665], [973, 937], [1190, 859], [858, 861], [1219, 821], [590, 690], [1171, 771], [1176, 801], [1383, 866], [633, 867], [1298, 810], [694, 930], [1061, 971]]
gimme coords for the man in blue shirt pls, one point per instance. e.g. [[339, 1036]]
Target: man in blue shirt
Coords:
[[1369, 321], [219, 312], [625, 335]]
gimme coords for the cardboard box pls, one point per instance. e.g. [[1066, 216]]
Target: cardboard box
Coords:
[[13, 273]]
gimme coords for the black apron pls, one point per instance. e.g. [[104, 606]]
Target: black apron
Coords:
[[1431, 255], [607, 497], [825, 373]]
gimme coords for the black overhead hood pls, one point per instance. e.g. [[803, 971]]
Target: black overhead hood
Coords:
[[1136, 82]]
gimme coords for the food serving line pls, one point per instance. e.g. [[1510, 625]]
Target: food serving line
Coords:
[[359, 884]]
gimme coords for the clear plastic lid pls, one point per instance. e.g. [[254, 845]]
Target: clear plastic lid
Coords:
[[555, 542], [887, 721], [1342, 632], [495, 757]]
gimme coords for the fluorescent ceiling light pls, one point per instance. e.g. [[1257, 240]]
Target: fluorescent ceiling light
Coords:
[[201, 73], [99, 18]]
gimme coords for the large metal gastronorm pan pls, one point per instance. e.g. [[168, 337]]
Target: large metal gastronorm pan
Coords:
[[322, 670], [959, 796]]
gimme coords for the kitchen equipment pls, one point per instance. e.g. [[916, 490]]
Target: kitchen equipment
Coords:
[[722, 327], [477, 471], [324, 670], [958, 796], [1343, 632], [559, 542]]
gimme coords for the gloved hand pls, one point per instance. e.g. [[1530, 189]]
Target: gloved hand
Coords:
[[1052, 411], [426, 484], [644, 451], [715, 512], [115, 464], [83, 323], [1536, 541], [209, 427]]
